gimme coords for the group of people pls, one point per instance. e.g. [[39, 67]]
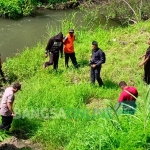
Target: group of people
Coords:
[[57, 44], [65, 44], [128, 95]]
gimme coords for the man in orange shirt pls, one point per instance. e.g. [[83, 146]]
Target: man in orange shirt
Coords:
[[69, 48]]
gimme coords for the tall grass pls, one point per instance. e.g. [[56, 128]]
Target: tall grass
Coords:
[[63, 111]]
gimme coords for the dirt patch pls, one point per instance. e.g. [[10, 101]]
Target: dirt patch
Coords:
[[93, 103], [14, 143]]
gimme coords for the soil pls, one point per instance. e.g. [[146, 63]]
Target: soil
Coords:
[[14, 143]]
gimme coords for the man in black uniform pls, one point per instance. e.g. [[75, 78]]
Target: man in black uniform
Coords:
[[146, 64], [55, 44], [96, 62], [1, 72]]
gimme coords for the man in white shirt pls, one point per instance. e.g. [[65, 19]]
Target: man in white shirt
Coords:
[[6, 106]]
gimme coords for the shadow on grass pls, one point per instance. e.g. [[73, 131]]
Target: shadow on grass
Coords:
[[13, 147], [84, 63], [111, 85], [54, 72], [24, 128]]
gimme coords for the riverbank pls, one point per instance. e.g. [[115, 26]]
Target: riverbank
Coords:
[[124, 12], [62, 110], [71, 4], [17, 9]]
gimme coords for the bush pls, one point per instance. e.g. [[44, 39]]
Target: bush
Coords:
[[15, 9], [127, 11]]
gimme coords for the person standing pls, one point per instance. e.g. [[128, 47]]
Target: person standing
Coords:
[[96, 61], [146, 64], [1, 72], [69, 48], [54, 46], [128, 98], [6, 106]]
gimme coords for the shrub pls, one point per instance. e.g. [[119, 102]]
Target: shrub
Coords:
[[15, 9]]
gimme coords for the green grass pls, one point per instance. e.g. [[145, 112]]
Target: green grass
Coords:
[[63, 111], [3, 136]]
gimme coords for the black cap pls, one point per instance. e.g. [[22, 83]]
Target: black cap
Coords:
[[95, 43]]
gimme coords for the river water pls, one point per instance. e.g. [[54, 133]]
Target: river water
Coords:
[[15, 35]]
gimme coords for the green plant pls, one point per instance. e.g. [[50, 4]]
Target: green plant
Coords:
[[15, 9], [127, 11], [3, 136]]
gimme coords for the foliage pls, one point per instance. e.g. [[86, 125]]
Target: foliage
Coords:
[[50, 1], [27, 69], [15, 9], [18, 8], [63, 111], [124, 11], [3, 136], [127, 11]]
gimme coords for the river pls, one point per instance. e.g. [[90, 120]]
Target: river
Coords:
[[15, 35]]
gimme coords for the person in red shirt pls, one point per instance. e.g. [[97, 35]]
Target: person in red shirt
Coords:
[[127, 97]]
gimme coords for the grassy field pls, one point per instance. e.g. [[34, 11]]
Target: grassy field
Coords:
[[62, 110]]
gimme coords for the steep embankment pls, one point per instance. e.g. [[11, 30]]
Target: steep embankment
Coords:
[[63, 111]]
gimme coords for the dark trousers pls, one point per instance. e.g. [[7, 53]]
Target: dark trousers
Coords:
[[73, 59], [2, 74], [54, 57], [95, 75], [147, 73], [6, 122]]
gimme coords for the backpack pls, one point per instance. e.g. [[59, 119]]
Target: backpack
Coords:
[[104, 56]]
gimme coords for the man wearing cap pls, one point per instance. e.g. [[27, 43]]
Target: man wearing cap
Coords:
[[6, 106], [69, 48], [1, 72], [96, 62]]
